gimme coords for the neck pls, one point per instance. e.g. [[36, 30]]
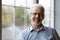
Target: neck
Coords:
[[36, 27]]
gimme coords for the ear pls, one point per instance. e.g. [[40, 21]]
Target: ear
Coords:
[[43, 17]]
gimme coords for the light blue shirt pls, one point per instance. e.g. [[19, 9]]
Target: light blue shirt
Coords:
[[45, 33]]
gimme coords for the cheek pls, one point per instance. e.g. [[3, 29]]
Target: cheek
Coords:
[[41, 18], [32, 18]]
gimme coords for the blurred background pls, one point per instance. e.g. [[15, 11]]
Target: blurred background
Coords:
[[15, 16]]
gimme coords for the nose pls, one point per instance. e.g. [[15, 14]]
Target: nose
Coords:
[[37, 16]]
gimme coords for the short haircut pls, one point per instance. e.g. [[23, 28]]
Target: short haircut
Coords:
[[37, 6]]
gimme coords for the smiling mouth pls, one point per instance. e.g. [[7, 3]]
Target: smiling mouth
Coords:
[[37, 20]]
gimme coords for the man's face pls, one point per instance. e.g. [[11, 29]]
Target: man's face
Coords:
[[36, 16]]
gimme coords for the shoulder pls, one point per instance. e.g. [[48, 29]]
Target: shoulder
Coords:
[[49, 29], [52, 32], [24, 34], [26, 30]]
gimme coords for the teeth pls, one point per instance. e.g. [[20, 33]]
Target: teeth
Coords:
[[36, 22]]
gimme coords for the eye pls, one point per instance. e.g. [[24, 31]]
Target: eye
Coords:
[[34, 13], [41, 14]]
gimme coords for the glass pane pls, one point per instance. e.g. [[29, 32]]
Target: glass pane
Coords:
[[7, 15], [19, 17], [24, 3], [8, 2], [7, 22], [20, 3], [28, 20], [22, 7], [29, 3]]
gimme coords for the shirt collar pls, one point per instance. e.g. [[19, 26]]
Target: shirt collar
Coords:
[[31, 29]]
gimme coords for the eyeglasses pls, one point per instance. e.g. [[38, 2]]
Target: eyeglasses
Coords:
[[40, 14]]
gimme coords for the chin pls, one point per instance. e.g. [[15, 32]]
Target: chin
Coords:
[[37, 24]]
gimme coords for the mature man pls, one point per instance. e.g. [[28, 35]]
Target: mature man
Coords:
[[37, 31]]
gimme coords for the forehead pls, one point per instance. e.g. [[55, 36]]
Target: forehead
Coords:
[[36, 9]]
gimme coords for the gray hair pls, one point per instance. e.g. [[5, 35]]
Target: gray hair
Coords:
[[37, 6]]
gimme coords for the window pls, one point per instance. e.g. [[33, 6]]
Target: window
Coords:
[[15, 16], [7, 21], [22, 7], [7, 15]]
